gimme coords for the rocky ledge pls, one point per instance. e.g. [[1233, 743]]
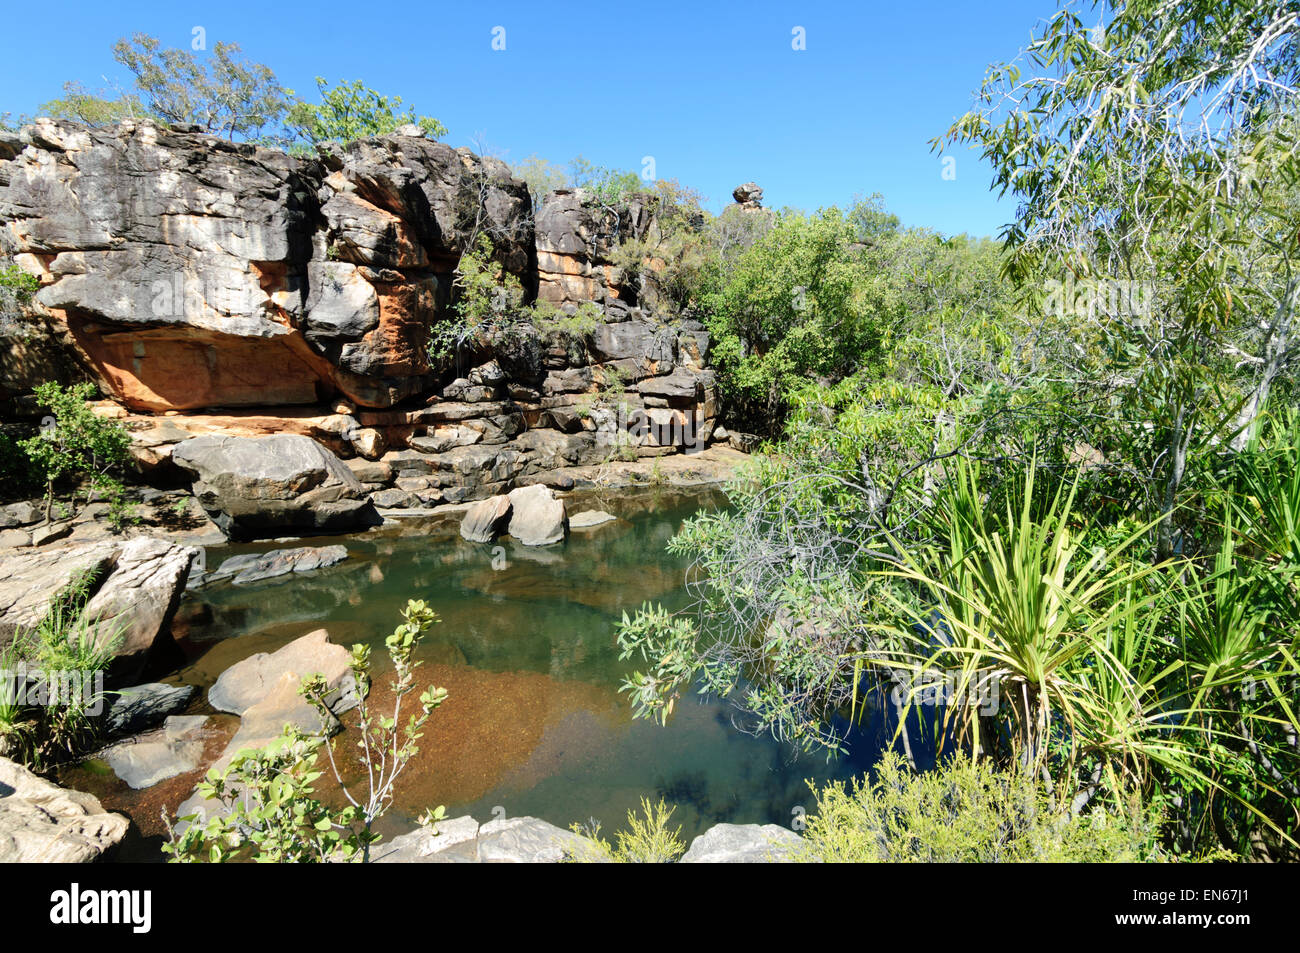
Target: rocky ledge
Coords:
[[529, 840], [41, 822]]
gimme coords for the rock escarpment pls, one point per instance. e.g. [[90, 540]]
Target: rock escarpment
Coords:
[[194, 272], [217, 288]]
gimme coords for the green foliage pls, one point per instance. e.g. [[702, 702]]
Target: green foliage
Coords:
[[606, 186], [542, 177], [352, 111], [221, 93], [1157, 150], [486, 301], [78, 443], [809, 299], [65, 654], [94, 108], [967, 811], [647, 839], [266, 809], [665, 641], [17, 284]]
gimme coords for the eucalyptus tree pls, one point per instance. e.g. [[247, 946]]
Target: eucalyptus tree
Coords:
[[223, 93], [1152, 154]]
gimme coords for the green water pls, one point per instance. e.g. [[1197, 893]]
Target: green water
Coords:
[[535, 724]]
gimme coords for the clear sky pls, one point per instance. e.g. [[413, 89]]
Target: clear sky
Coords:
[[714, 92]]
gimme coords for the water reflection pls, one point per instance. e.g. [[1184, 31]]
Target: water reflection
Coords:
[[534, 723]]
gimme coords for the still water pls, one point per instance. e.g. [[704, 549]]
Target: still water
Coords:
[[534, 723]]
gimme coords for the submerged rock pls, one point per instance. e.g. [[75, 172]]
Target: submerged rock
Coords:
[[590, 518], [41, 822], [537, 518], [175, 748], [254, 567]]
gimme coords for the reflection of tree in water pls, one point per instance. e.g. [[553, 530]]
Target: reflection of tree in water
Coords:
[[692, 791]]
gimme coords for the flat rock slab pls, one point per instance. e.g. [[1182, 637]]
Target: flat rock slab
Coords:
[[590, 518], [251, 681], [742, 844], [454, 842], [41, 822], [255, 567], [175, 748], [528, 840]]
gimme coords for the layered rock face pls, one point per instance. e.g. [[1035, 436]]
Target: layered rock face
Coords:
[[575, 247], [226, 290], [193, 272]]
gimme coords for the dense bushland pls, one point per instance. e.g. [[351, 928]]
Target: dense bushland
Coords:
[[1034, 500]]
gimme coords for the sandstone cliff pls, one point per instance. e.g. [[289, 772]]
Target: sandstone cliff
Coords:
[[241, 290]]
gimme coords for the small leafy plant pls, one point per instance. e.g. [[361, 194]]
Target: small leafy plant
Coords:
[[78, 443], [647, 840], [268, 811]]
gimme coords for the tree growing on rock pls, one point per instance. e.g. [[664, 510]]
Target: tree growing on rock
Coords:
[[224, 94], [76, 442], [101, 108], [352, 110]]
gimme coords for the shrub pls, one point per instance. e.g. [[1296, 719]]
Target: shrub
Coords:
[[268, 812], [647, 840], [965, 811], [79, 443]]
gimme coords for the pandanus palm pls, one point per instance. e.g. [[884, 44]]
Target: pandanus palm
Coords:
[[1008, 597]]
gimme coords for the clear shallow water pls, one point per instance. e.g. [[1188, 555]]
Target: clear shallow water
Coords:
[[534, 723]]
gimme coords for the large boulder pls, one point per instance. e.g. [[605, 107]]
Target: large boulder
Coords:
[[138, 599], [537, 518], [254, 487], [485, 519], [41, 822], [742, 844], [133, 588], [249, 682]]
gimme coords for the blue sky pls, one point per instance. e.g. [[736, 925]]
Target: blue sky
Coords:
[[714, 92]]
